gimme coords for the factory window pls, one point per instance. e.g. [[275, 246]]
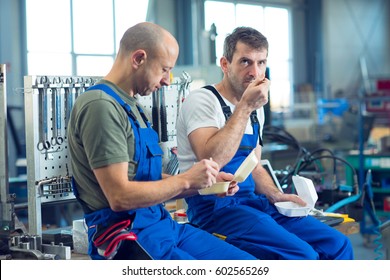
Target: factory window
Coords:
[[77, 37], [273, 22]]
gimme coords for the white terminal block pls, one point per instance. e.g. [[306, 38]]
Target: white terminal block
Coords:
[[240, 175], [305, 190]]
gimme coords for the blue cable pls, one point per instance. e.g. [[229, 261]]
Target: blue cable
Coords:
[[377, 241], [370, 207], [342, 203], [375, 230]]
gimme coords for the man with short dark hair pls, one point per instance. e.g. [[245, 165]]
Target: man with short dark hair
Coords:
[[224, 121]]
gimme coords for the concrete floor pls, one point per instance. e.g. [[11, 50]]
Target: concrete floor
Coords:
[[369, 247]]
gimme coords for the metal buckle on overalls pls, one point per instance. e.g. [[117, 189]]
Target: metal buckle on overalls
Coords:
[[109, 239]]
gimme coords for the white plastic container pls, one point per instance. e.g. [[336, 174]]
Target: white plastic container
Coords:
[[246, 167], [306, 190], [219, 187], [240, 175]]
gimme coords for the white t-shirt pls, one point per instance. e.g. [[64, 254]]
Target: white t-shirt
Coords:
[[201, 108]]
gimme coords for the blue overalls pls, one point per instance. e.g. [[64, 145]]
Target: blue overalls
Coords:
[[251, 223], [157, 233]]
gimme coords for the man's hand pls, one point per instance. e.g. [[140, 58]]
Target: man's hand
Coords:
[[202, 174], [279, 197], [226, 177], [256, 94]]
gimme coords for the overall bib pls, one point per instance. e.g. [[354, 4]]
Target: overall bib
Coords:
[[201, 208], [157, 233], [251, 223]]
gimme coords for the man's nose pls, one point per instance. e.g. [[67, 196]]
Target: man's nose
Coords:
[[256, 71], [166, 79]]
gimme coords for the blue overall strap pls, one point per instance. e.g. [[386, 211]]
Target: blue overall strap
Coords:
[[227, 112], [133, 120], [146, 143], [113, 94], [126, 106], [146, 121]]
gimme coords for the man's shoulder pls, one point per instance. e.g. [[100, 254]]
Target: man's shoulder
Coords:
[[201, 94], [95, 97], [204, 89]]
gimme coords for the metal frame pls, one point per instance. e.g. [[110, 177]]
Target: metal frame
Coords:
[[5, 205], [48, 101]]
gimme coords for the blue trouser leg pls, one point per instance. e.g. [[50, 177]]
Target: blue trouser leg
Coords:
[[259, 234], [167, 240], [256, 227], [328, 242], [204, 246]]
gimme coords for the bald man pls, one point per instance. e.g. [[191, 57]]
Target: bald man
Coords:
[[117, 161]]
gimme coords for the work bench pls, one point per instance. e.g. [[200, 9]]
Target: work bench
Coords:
[[348, 228]]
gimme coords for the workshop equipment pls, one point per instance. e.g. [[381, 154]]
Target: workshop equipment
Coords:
[[163, 116], [31, 247], [56, 99], [4, 191], [69, 97], [48, 103], [155, 113], [43, 143]]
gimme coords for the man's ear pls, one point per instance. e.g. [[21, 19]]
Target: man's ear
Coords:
[[138, 58], [223, 62]]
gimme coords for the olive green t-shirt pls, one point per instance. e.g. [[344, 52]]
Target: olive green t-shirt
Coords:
[[100, 134]]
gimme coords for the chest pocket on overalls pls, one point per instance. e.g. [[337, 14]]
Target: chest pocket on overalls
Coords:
[[151, 168]]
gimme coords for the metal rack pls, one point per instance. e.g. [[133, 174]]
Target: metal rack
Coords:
[[5, 205], [48, 102]]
